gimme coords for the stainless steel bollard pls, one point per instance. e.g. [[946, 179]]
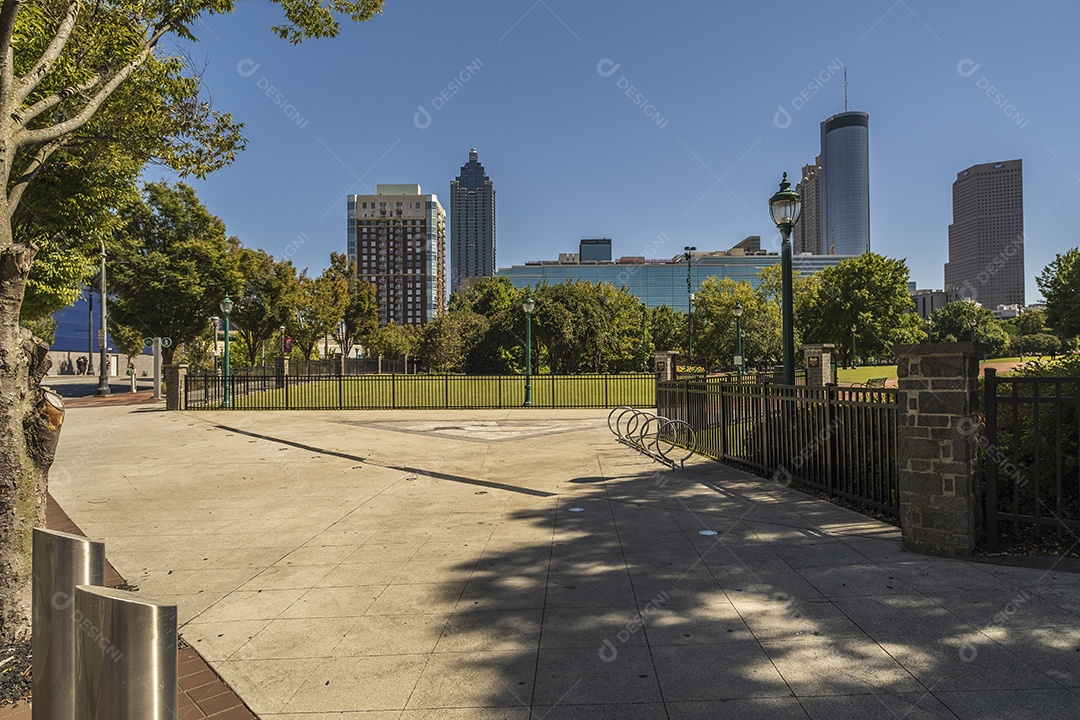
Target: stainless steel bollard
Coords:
[[61, 561], [125, 654]]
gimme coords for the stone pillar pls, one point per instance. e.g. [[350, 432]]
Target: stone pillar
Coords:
[[936, 455], [175, 377], [664, 364], [818, 364], [281, 370], [778, 374]]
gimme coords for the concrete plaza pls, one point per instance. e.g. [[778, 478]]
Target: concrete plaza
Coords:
[[522, 564]]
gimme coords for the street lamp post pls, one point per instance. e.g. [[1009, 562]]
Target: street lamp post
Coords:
[[974, 323], [688, 253], [226, 306], [644, 347], [785, 207], [215, 322], [854, 363], [103, 335], [738, 337], [929, 330], [528, 306]]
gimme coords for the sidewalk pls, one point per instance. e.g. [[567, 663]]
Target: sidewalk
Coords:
[[522, 564]]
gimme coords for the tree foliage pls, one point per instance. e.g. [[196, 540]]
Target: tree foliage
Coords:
[[868, 292], [1059, 283], [171, 266], [321, 304], [269, 299], [967, 321]]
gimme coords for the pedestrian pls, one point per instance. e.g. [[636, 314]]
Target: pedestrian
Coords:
[[80, 363]]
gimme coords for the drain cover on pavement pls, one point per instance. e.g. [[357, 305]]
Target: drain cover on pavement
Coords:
[[706, 532]]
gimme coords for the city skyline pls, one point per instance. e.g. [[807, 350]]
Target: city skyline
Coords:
[[472, 223], [635, 125]]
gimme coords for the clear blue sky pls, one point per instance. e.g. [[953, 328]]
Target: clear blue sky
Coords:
[[532, 85]]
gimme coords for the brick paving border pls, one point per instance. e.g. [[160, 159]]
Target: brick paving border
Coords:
[[201, 693]]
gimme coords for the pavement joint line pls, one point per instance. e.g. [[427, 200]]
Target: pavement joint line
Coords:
[[543, 611], [387, 466]]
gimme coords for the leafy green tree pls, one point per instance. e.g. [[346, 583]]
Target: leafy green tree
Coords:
[[714, 334], [446, 341], [360, 317], [171, 266], [269, 299], [1059, 283], [668, 328], [75, 77], [320, 307], [963, 320], [868, 292]]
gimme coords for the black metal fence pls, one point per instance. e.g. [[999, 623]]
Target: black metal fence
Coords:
[[1030, 452], [420, 392], [332, 367], [839, 440]]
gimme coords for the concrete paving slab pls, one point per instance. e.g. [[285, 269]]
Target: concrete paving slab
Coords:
[[375, 566]]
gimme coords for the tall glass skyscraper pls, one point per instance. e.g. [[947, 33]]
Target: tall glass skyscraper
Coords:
[[845, 184], [472, 224]]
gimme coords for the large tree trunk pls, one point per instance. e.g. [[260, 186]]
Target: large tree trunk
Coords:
[[30, 420]]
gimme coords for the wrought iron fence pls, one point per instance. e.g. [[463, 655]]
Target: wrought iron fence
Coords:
[[421, 392], [1030, 453], [839, 440]]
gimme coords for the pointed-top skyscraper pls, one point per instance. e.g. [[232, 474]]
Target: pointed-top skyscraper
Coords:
[[472, 224]]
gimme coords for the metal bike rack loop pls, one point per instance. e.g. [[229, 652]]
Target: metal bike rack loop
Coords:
[[653, 435]]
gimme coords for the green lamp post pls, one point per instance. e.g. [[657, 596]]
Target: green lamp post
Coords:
[[528, 306], [226, 306], [738, 337], [785, 207], [688, 253], [854, 364]]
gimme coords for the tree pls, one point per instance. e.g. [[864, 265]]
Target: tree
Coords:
[[868, 292], [74, 77], [1059, 283], [269, 299], [714, 332], [668, 328], [361, 315], [964, 320], [171, 266], [320, 306]]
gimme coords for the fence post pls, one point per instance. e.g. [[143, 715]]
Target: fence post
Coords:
[[832, 450], [176, 386], [447, 403], [60, 563], [936, 450], [990, 511], [393, 392], [285, 379]]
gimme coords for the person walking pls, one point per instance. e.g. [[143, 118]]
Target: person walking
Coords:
[[80, 364]]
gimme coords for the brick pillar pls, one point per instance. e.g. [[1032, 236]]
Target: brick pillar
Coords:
[[175, 376], [818, 364], [664, 364], [935, 457]]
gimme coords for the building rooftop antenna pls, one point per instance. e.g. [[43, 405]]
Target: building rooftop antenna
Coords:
[[845, 89]]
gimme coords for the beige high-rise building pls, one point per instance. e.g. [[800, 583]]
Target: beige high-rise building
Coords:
[[986, 237], [397, 240]]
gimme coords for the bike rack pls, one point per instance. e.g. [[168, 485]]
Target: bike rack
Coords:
[[653, 435]]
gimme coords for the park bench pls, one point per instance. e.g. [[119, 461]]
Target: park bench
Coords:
[[874, 383]]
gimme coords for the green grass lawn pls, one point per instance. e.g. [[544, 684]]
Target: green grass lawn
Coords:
[[435, 391], [862, 374]]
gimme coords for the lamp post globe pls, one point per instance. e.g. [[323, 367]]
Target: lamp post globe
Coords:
[[529, 306], [226, 306], [785, 206]]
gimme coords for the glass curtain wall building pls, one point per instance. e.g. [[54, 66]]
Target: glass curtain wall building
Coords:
[[844, 182], [472, 224]]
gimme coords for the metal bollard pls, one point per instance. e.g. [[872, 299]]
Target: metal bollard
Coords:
[[61, 561], [125, 653]]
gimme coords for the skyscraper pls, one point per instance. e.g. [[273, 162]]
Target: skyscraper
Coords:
[[397, 240], [845, 184], [472, 224], [806, 235], [986, 237]]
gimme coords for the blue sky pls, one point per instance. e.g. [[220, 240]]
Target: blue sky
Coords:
[[533, 85]]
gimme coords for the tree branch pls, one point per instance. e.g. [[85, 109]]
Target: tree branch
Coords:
[[38, 161], [24, 117], [30, 80], [9, 12], [47, 134]]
